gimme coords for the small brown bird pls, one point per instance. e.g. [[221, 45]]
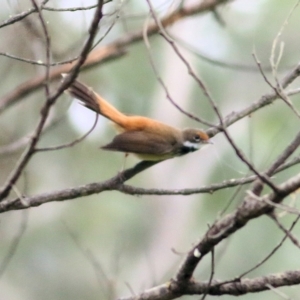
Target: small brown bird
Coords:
[[148, 139]]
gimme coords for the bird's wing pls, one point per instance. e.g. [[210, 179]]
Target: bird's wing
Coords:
[[135, 142]]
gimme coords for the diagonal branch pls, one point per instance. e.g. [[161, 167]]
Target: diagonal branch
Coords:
[[108, 52], [80, 191], [168, 291], [26, 156], [21, 15], [263, 101], [263, 177], [249, 209], [182, 283], [116, 183]]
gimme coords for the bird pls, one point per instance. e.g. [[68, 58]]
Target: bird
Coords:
[[146, 138]]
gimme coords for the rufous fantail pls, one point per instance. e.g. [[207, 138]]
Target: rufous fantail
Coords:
[[148, 139]]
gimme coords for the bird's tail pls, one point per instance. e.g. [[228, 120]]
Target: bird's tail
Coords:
[[95, 102]]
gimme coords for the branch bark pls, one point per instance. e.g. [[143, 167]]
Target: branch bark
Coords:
[[106, 53], [168, 291]]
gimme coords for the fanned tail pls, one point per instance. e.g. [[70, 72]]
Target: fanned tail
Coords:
[[95, 102]]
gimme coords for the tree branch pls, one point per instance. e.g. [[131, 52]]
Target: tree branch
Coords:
[[72, 193], [106, 53], [169, 290], [249, 209], [15, 174]]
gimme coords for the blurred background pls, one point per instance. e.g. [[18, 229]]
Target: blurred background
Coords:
[[110, 245]]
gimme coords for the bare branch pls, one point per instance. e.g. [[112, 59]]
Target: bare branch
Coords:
[[229, 224], [170, 290], [266, 99], [99, 272], [212, 273], [73, 143], [21, 15], [263, 177], [13, 177], [81, 191], [116, 183], [273, 251], [15, 244], [288, 232], [164, 86], [108, 52]]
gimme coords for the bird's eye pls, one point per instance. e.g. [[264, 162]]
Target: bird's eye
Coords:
[[197, 138]]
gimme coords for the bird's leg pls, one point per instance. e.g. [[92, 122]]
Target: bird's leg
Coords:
[[123, 168], [124, 162]]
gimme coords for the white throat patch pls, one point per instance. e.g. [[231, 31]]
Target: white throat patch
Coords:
[[191, 145]]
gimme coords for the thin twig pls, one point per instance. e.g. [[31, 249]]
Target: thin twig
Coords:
[[14, 244], [47, 46], [116, 183], [273, 251], [288, 232], [21, 15], [205, 91], [21, 164], [278, 90], [37, 62], [108, 52], [212, 273], [70, 9], [229, 224], [71, 144], [279, 293], [161, 82], [99, 272]]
